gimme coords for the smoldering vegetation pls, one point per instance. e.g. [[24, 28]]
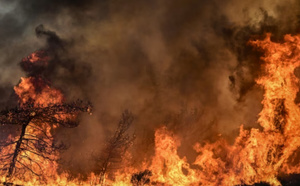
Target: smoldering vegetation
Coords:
[[185, 64]]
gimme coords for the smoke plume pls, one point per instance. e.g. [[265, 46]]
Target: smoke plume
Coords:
[[185, 64]]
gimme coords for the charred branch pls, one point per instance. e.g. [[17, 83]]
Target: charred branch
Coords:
[[52, 113], [17, 150]]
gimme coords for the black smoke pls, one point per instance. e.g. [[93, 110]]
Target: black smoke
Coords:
[[185, 64]]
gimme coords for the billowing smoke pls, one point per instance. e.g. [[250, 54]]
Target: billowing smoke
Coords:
[[184, 64]]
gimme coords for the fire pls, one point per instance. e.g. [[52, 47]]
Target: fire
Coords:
[[38, 58], [167, 166], [30, 157], [34, 90], [257, 155]]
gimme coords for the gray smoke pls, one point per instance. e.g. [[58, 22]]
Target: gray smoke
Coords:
[[185, 64]]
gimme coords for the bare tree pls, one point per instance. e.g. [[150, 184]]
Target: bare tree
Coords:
[[35, 139], [116, 146]]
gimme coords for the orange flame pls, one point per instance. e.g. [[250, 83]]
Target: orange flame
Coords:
[[38, 56], [257, 155], [36, 91], [27, 92]]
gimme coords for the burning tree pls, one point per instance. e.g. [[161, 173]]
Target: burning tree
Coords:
[[34, 144], [41, 110]]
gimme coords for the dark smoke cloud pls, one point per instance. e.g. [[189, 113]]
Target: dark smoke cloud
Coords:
[[186, 64]]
